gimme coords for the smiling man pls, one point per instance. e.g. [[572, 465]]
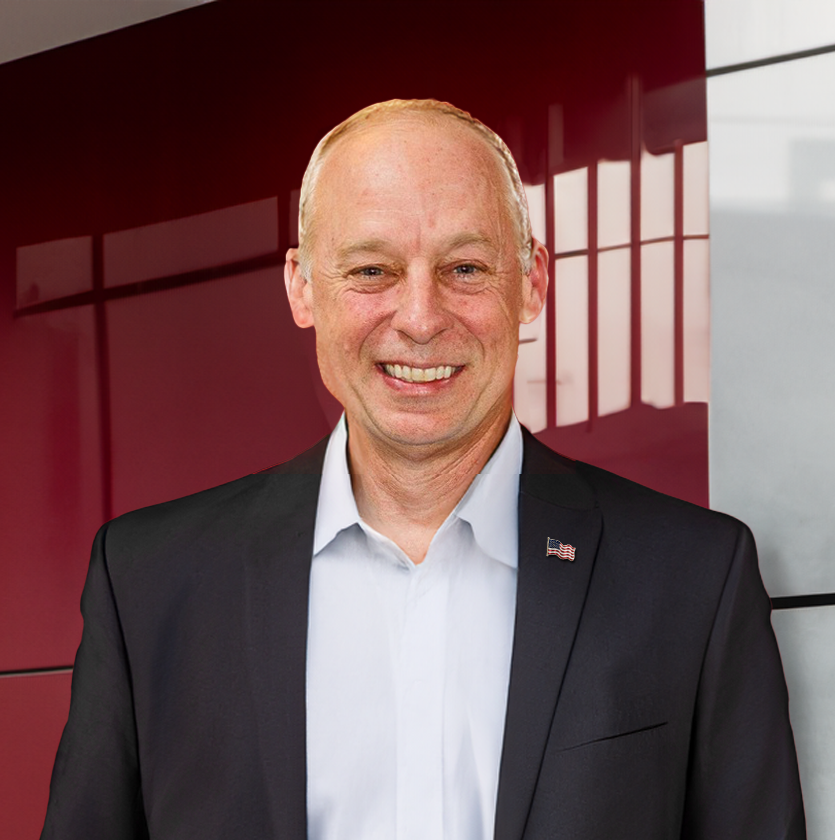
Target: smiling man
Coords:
[[429, 625], [416, 275]]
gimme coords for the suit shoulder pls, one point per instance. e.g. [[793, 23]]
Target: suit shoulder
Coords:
[[643, 512], [212, 520], [229, 499], [627, 507]]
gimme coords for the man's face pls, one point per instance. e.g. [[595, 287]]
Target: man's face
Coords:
[[416, 290]]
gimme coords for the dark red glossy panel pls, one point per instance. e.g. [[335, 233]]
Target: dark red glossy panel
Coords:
[[208, 382], [33, 711], [124, 400], [663, 448], [50, 483]]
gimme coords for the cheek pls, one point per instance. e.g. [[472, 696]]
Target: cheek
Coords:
[[494, 325], [347, 332]]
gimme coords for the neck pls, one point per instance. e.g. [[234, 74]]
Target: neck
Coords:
[[406, 493]]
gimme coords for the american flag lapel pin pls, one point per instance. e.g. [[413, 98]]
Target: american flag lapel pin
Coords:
[[562, 550]]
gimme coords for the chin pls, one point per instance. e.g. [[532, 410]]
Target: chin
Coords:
[[417, 433]]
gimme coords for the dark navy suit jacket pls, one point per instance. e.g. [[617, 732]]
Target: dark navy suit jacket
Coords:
[[646, 697]]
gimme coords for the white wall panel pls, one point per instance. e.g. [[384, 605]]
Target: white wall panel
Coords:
[[805, 637], [772, 449], [747, 30], [772, 137]]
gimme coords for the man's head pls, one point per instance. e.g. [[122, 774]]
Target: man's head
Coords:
[[433, 110], [417, 267]]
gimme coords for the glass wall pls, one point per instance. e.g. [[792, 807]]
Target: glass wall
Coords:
[[150, 185]]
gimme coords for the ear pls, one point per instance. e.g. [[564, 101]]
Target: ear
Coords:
[[535, 284], [298, 288]]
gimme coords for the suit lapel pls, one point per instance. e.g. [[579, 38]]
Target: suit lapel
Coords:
[[554, 501], [278, 562]]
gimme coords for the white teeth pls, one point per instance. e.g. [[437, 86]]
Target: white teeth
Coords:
[[409, 374]]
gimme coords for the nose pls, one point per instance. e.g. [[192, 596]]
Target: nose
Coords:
[[420, 312]]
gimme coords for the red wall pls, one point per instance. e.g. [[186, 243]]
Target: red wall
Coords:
[[123, 392]]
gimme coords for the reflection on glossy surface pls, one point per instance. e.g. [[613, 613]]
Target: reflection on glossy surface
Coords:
[[52, 270], [130, 145], [614, 321], [202, 241], [50, 482], [657, 325], [164, 155], [696, 193], [36, 708], [199, 389], [613, 203], [631, 303], [696, 321], [529, 393], [572, 299], [657, 186], [571, 211]]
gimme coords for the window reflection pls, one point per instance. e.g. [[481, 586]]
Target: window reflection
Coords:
[[51, 270], [572, 293], [614, 317]]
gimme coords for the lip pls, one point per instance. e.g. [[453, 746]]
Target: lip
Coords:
[[427, 387], [418, 365]]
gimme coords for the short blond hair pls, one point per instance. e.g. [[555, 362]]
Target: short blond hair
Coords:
[[515, 198]]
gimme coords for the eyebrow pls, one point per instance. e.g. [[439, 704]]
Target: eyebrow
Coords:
[[470, 239], [368, 246], [363, 246]]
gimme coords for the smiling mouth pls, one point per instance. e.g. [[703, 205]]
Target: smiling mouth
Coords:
[[405, 373]]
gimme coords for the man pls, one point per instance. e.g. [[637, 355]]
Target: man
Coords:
[[429, 625]]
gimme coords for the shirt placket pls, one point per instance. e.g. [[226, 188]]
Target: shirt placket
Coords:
[[420, 696]]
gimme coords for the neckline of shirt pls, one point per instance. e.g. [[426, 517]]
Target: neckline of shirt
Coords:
[[490, 504]]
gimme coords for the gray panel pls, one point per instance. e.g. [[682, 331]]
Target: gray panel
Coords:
[[746, 30], [806, 639], [31, 27], [772, 447]]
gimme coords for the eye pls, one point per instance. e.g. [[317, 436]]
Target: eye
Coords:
[[370, 271], [466, 270]]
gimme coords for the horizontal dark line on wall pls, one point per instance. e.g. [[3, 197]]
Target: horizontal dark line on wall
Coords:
[[785, 602], [793, 602], [773, 59], [158, 284], [34, 672], [583, 252]]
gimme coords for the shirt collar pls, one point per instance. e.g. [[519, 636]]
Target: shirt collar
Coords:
[[490, 504], [337, 508]]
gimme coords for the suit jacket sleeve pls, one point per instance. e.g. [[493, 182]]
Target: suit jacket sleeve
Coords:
[[743, 776], [95, 790]]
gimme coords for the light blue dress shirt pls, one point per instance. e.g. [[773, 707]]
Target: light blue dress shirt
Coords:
[[408, 665]]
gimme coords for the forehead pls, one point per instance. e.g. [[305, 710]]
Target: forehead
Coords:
[[408, 169]]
